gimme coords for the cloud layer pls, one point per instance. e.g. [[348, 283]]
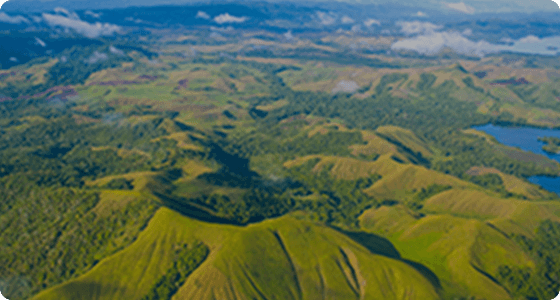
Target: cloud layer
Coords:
[[227, 18], [202, 15], [5, 18], [416, 27], [347, 20], [92, 14], [81, 27], [431, 42], [461, 7], [370, 22], [325, 18]]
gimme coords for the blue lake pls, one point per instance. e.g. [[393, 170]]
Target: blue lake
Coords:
[[526, 138]]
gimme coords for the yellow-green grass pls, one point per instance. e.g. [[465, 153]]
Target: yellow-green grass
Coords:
[[324, 128], [121, 152], [397, 180], [479, 205], [22, 72], [407, 138], [273, 106], [130, 273], [494, 72], [459, 251], [113, 74], [113, 200], [375, 145], [182, 139], [279, 61], [387, 220], [276, 259], [268, 261], [533, 115], [450, 73], [513, 184], [139, 180], [483, 135]]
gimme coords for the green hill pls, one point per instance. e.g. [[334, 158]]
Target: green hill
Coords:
[[261, 261]]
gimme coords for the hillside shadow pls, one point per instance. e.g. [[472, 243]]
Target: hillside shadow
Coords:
[[382, 246]]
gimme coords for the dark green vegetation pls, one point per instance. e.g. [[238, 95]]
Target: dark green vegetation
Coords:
[[50, 235], [552, 144], [492, 182], [416, 202], [186, 261], [544, 281], [337, 201]]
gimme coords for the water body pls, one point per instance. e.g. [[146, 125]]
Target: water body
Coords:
[[526, 138]]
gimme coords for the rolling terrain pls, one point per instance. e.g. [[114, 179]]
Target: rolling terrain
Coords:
[[163, 164]]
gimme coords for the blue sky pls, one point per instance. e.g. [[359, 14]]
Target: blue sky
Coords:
[[463, 6]]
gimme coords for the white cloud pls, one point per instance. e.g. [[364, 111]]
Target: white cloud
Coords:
[[13, 59], [202, 15], [348, 20], [326, 19], [222, 29], [416, 27], [370, 22], [64, 11], [288, 35], [507, 40], [467, 31], [40, 42], [227, 18], [529, 39], [92, 14], [5, 18], [356, 28], [96, 57], [535, 45], [461, 6], [137, 21], [216, 36], [420, 14], [81, 27], [116, 51], [433, 42]]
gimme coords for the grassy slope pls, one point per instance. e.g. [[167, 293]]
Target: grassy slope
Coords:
[[463, 253], [244, 262], [513, 184], [397, 179], [376, 145], [406, 138], [464, 238]]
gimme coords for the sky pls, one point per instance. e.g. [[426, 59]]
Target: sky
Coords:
[[463, 6]]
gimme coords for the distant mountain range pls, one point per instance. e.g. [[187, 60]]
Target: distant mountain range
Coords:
[[465, 6]]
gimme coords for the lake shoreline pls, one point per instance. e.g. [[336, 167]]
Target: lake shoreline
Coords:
[[526, 138]]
